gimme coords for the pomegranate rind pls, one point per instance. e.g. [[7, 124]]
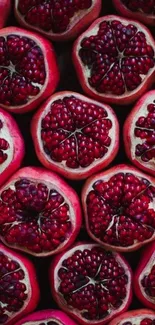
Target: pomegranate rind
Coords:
[[78, 173], [54, 267], [79, 22], [18, 146], [47, 316], [31, 282], [147, 255], [129, 315], [125, 12], [5, 7], [51, 67], [41, 174], [106, 175], [128, 132], [128, 97]]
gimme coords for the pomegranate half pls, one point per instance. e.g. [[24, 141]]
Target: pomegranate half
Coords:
[[58, 20], [11, 146], [115, 60], [19, 292], [28, 69], [5, 8], [139, 133], [74, 135], [47, 317], [144, 278], [39, 212], [119, 208], [91, 284], [135, 317]]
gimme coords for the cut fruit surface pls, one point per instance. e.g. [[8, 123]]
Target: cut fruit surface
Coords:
[[5, 7], [135, 317]]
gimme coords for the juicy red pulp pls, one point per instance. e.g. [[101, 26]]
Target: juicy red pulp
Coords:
[[4, 145], [118, 210], [33, 217], [148, 283], [51, 14], [145, 6], [93, 282], [118, 57], [22, 70], [145, 321], [75, 132]]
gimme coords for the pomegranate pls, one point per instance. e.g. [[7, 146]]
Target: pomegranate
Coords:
[[47, 317], [39, 212], [28, 69], [135, 317], [19, 292], [11, 146], [143, 10], [5, 7], [139, 133], [114, 60], [144, 279], [58, 20], [74, 135], [119, 207], [91, 284]]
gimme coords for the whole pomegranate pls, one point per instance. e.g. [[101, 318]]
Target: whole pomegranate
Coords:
[[135, 317], [115, 60], [119, 208], [74, 135], [5, 8], [39, 212]]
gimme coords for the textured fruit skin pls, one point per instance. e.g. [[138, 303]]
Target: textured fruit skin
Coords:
[[127, 136], [125, 12], [5, 6], [18, 145], [43, 175], [45, 316], [126, 98], [145, 257], [131, 313], [70, 173], [34, 294], [71, 33], [85, 191], [60, 303], [52, 71]]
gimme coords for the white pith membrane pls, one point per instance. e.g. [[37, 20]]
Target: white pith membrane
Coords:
[[5, 134], [25, 281], [73, 310], [70, 213], [97, 161], [146, 271], [136, 320], [137, 140], [86, 72], [43, 321], [106, 178]]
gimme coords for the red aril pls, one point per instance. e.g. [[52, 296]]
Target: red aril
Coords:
[[114, 60], [5, 7], [19, 292], [58, 20], [28, 69], [144, 278], [139, 133], [11, 146], [119, 208], [91, 284], [74, 135], [39, 212], [135, 317]]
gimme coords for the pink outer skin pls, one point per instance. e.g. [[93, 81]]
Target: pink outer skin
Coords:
[[127, 98], [93, 179], [53, 265], [146, 255], [125, 12], [35, 292], [126, 133], [52, 72], [131, 313], [18, 143], [71, 33], [5, 7], [41, 174], [50, 165], [46, 315]]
